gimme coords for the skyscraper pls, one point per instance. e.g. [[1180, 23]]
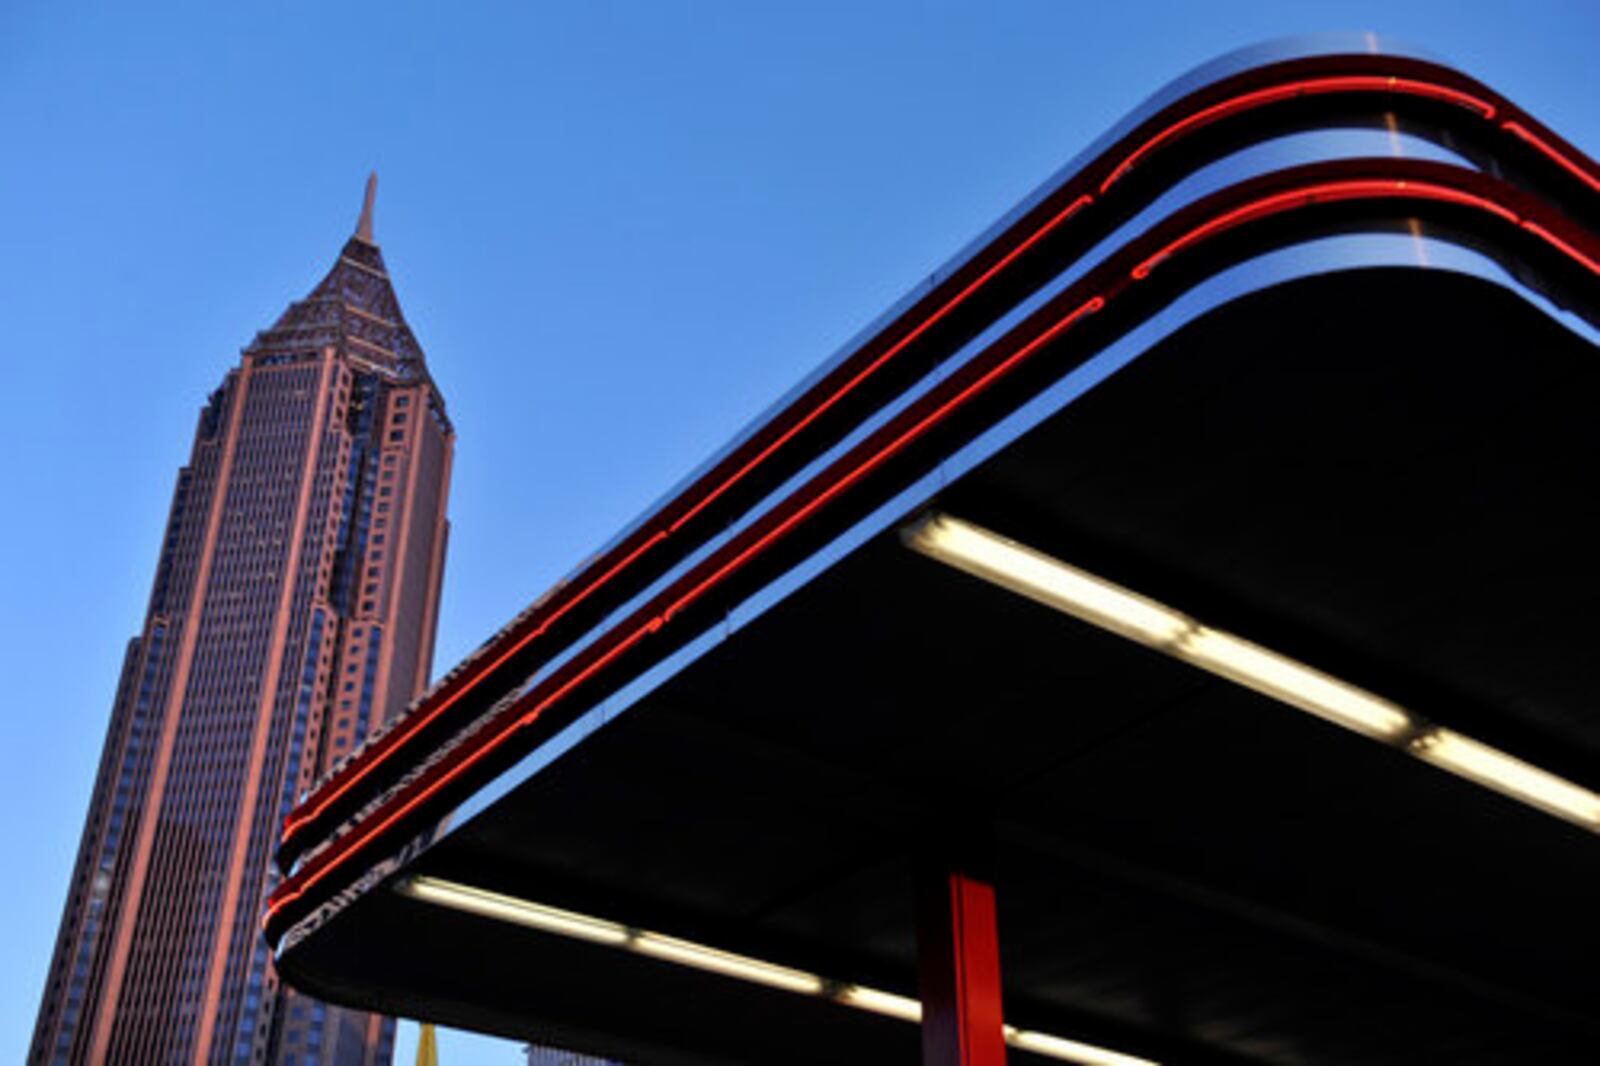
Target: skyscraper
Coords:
[[292, 615]]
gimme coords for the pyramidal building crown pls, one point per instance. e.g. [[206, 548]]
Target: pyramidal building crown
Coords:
[[353, 308]]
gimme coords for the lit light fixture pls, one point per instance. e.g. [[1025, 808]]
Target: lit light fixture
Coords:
[[487, 904], [887, 1003], [1292, 682], [549, 919], [1507, 774], [1045, 579], [1056, 1047], [1102, 603], [726, 963]]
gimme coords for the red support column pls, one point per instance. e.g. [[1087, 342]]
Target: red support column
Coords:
[[958, 955]]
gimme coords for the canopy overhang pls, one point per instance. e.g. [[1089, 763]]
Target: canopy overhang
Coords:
[[1375, 472]]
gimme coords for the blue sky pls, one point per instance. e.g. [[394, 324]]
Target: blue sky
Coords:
[[619, 230]]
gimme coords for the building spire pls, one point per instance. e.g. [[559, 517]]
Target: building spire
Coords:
[[364, 227]]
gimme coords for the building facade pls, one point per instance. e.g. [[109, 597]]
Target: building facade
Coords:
[[292, 615]]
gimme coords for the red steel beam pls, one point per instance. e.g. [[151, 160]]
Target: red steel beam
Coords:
[[958, 962]]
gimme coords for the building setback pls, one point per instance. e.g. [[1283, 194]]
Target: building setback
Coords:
[[292, 615]]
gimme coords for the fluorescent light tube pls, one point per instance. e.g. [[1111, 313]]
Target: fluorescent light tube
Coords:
[[1056, 1047], [886, 1003], [1507, 774], [726, 963], [1047, 580], [516, 911], [1093, 599], [1292, 682]]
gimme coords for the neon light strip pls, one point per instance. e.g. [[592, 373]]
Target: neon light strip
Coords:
[[1044, 579], [546, 919], [296, 886], [1327, 192], [371, 758], [330, 860], [315, 805], [1539, 231], [1549, 150], [1279, 93]]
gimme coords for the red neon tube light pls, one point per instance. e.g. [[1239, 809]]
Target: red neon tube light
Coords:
[[1517, 129], [1326, 192], [310, 810], [1360, 83], [1539, 231]]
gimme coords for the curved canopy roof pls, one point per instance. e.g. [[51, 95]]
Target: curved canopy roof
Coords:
[[1298, 363]]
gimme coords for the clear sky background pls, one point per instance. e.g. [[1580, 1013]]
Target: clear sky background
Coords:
[[618, 229]]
